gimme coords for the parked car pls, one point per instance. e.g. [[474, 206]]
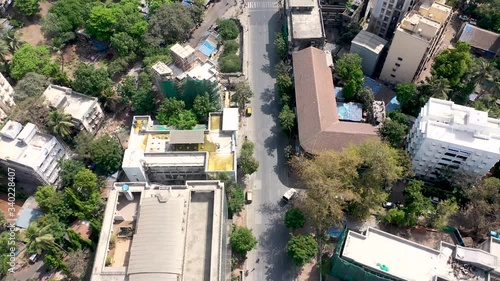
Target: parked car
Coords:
[[388, 205], [435, 200], [289, 194], [249, 111], [249, 197], [463, 17], [473, 22], [33, 258]]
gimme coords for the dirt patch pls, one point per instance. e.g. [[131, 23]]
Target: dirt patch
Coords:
[[309, 272], [4, 205], [421, 236], [32, 30]]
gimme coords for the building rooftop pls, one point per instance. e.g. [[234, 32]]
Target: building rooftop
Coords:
[[370, 41], [302, 3], [307, 24], [480, 38], [188, 218], [153, 144], [70, 102], [162, 69], [25, 145], [419, 26], [317, 114], [407, 260], [230, 119], [182, 51], [456, 124], [205, 71]]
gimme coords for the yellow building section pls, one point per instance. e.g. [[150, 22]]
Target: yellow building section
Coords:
[[207, 146], [215, 122], [140, 122], [220, 162]]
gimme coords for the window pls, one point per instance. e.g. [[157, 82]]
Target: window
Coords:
[[450, 154], [393, 76], [397, 64], [393, 69], [400, 59]]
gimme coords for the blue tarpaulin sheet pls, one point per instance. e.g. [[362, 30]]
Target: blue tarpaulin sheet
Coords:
[[206, 48]]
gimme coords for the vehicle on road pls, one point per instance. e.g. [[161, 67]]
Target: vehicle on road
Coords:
[[388, 205], [435, 200], [249, 111], [33, 258], [289, 195], [249, 197], [463, 17], [473, 22]]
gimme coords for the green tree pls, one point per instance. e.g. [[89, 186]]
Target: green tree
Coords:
[[234, 194], [126, 88], [287, 119], [395, 216], [393, 132], [101, 22], [452, 64], [124, 44], [230, 47], [444, 210], [399, 117], [91, 81], [294, 218], [302, 249], [186, 120], [242, 94], [230, 63], [202, 106], [107, 154], [440, 87], [60, 123], [27, 7], [349, 69], [489, 15], [248, 163], [38, 238], [47, 197], [170, 23], [281, 45], [57, 228], [284, 83], [32, 85], [228, 29], [242, 240], [143, 101], [85, 183], [13, 40], [83, 144], [169, 109], [282, 68], [405, 92], [348, 33], [32, 59], [416, 203]]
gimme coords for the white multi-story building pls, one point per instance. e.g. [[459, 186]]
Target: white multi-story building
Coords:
[[386, 14], [450, 136], [32, 154], [6, 97], [85, 111], [415, 42]]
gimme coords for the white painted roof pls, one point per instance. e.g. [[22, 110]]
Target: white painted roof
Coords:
[[230, 119]]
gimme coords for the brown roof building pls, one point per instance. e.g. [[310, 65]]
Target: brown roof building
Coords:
[[319, 125], [483, 41]]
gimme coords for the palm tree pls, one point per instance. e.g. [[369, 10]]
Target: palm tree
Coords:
[[13, 40], [60, 123], [4, 51], [38, 238], [483, 75], [440, 87]]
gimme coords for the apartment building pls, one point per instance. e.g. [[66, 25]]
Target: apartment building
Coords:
[[415, 42], [339, 13], [450, 136], [305, 25], [86, 113], [386, 14], [33, 154], [165, 233], [380, 256], [369, 47], [6, 97], [162, 154]]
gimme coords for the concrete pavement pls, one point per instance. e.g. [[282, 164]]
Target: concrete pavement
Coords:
[[265, 216]]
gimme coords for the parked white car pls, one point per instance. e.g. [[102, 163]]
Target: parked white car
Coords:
[[463, 17], [289, 194]]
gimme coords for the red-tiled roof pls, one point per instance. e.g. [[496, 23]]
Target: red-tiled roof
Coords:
[[319, 125]]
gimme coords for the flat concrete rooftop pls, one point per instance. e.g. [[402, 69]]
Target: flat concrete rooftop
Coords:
[[307, 25], [190, 220], [70, 102]]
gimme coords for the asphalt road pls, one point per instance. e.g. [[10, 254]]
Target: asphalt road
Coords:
[[265, 216]]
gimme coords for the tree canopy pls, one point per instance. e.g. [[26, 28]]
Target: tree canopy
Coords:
[[31, 85], [405, 92], [228, 29], [170, 23], [32, 59], [242, 240], [248, 163], [27, 7], [287, 119], [353, 180], [294, 218], [242, 94], [301, 249], [91, 81], [452, 64], [107, 154], [349, 69]]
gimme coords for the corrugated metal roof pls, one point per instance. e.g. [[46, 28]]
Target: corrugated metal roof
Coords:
[[158, 246], [26, 216], [480, 38], [186, 136]]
